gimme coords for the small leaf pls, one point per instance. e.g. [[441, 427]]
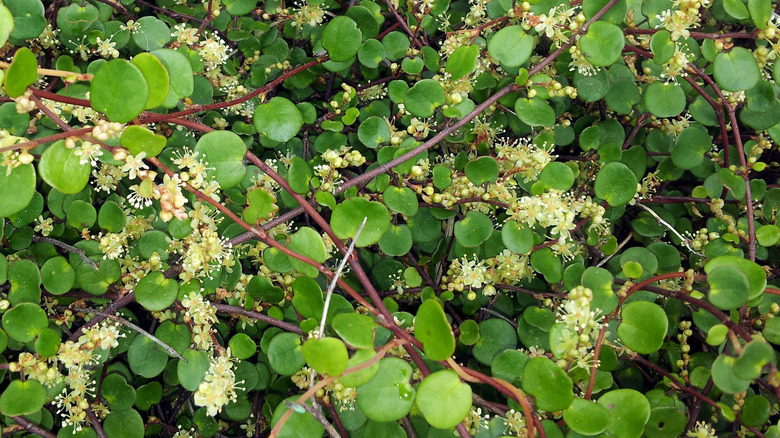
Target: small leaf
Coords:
[[326, 356], [424, 97], [261, 205], [373, 132], [534, 112], [462, 61], [729, 288], [602, 45], [309, 243], [443, 399], [124, 424], [482, 170], [192, 372], [17, 188], [139, 139], [278, 119], [548, 383], [22, 398], [24, 321], [629, 411], [518, 238], [107, 91], [156, 78], [615, 183], [433, 330], [473, 229], [586, 417], [643, 326], [388, 396], [155, 292], [736, 70], [224, 154], [664, 100], [22, 72], [6, 24], [348, 216], [511, 46], [341, 38], [285, 354], [355, 329]]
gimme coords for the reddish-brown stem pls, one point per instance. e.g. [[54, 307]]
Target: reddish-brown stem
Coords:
[[696, 35], [32, 427], [233, 310], [110, 310]]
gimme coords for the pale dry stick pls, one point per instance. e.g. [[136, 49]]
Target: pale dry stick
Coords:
[[334, 280], [58, 73], [619, 247], [324, 382], [671, 228], [68, 248], [129, 324]]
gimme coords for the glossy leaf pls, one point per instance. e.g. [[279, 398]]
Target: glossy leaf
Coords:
[[443, 399], [326, 355], [433, 330], [511, 46], [106, 96], [388, 396], [643, 326], [278, 119]]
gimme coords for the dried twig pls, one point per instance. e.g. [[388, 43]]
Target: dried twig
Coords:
[[69, 248]]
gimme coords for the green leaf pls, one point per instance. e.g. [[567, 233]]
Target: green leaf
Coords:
[[397, 240], [373, 132], [662, 46], [326, 355], [152, 34], [643, 326], [586, 417], [629, 411], [602, 45], [433, 330], [760, 12], [348, 216], [517, 237], [557, 175], [224, 153], [473, 229], [495, 336], [755, 411], [401, 200], [736, 70], [724, 377], [285, 354], [58, 275], [156, 78], [6, 24], [29, 19], [299, 424], [548, 383], [139, 139], [17, 188], [22, 398], [25, 279], [278, 119], [692, 143], [424, 97], [145, 357], [24, 321], [155, 292], [754, 273], [615, 183], [107, 91], [261, 204], [22, 72], [309, 243], [768, 235], [179, 70], [729, 288], [124, 424], [119, 395], [462, 61], [736, 9], [242, 346], [299, 175], [388, 396], [534, 112], [193, 371], [341, 38], [664, 100], [754, 357], [443, 399], [355, 329], [308, 300], [482, 170], [111, 217], [371, 53], [511, 46], [361, 376], [545, 262]]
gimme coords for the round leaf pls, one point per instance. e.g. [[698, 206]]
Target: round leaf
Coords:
[[24, 321], [224, 152], [424, 97], [548, 383], [242, 346], [341, 38], [602, 45], [124, 424], [355, 329], [443, 399], [736, 70], [692, 143], [278, 119], [373, 132], [107, 92], [22, 398], [57, 275], [194, 370], [326, 356], [518, 238], [156, 78], [511, 46], [348, 216], [309, 243], [615, 183], [139, 139], [299, 424], [62, 169], [388, 396], [17, 188], [22, 72], [145, 357], [643, 326], [664, 100], [433, 330], [155, 292], [473, 229], [629, 411], [482, 170], [285, 354], [586, 417], [729, 288], [534, 112]]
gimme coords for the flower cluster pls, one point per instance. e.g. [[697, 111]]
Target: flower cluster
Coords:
[[201, 315], [219, 386], [523, 157], [581, 326]]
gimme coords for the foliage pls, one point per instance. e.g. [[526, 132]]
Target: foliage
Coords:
[[558, 218]]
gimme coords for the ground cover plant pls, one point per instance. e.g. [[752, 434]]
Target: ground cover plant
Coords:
[[380, 218]]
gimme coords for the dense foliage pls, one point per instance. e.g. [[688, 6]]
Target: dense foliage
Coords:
[[385, 219]]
